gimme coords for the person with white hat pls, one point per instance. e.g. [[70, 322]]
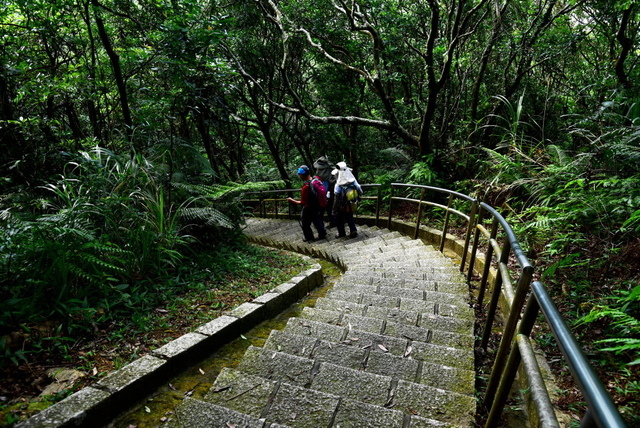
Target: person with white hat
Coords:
[[347, 192]]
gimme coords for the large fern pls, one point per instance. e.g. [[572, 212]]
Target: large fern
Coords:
[[623, 313]]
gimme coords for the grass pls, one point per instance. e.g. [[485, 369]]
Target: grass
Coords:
[[211, 283]]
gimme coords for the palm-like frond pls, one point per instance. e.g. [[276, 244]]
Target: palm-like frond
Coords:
[[207, 215], [218, 191]]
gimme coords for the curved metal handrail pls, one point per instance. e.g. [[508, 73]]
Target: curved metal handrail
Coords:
[[515, 345]]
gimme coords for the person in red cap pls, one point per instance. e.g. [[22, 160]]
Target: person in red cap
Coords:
[[310, 208]]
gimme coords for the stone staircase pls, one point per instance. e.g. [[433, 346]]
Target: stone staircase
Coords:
[[391, 345]]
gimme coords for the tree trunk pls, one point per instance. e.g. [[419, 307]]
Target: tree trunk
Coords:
[[627, 44], [117, 71]]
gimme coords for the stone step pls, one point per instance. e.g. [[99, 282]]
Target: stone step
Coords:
[[358, 385], [192, 413], [406, 368], [278, 403], [437, 322], [427, 284], [310, 409], [410, 293], [396, 344], [398, 255], [388, 328], [406, 303]]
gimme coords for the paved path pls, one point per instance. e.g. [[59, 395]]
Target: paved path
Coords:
[[391, 345]]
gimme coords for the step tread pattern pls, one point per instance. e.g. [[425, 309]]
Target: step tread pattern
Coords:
[[391, 345]]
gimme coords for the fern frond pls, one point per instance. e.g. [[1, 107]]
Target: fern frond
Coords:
[[219, 191], [209, 215]]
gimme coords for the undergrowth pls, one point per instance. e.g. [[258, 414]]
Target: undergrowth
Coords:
[[209, 283]]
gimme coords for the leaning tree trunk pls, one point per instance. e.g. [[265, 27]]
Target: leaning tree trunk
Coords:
[[117, 71]]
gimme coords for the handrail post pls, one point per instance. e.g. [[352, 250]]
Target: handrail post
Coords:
[[497, 285], [378, 201], [510, 327], [587, 420], [417, 229], [487, 263], [467, 236], [263, 208], [476, 239], [443, 240], [506, 380], [390, 207], [524, 329]]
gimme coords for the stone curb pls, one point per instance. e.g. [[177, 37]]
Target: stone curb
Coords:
[[96, 404]]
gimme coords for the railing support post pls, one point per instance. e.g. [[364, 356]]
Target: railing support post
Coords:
[[476, 240], [487, 264], [510, 327], [417, 229], [467, 236], [390, 208], [378, 205], [506, 380], [443, 240]]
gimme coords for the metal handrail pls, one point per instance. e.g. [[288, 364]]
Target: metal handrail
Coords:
[[263, 198], [515, 347]]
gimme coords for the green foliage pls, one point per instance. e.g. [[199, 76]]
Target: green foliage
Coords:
[[623, 312], [424, 172], [98, 238]]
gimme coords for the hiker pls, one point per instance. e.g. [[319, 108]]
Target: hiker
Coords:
[[310, 207], [347, 193], [324, 168]]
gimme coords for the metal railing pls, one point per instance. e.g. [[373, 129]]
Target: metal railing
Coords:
[[276, 199], [507, 268]]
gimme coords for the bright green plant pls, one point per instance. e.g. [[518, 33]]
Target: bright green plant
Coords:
[[623, 312]]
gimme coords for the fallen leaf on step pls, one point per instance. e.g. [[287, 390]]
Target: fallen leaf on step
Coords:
[[171, 387], [201, 371], [384, 348], [146, 409], [408, 351], [230, 425]]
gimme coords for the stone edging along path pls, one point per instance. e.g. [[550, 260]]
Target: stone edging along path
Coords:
[[98, 404]]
